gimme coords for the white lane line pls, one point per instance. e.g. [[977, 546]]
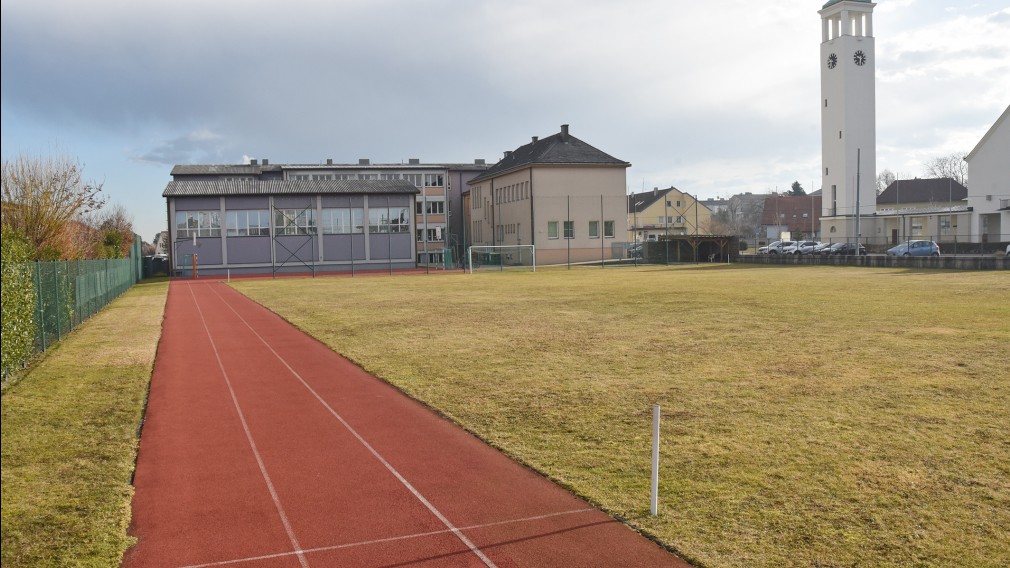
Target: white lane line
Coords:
[[252, 444], [473, 548], [389, 539]]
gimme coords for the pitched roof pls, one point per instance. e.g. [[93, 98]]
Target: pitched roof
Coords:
[[187, 188], [996, 125], [638, 202], [257, 169], [558, 149], [935, 190]]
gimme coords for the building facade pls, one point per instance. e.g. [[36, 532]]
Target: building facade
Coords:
[[989, 184], [560, 194], [795, 216], [433, 222], [664, 212], [848, 117]]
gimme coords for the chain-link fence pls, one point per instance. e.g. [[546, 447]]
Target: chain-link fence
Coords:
[[69, 292]]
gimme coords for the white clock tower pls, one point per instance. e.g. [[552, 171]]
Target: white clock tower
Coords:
[[848, 117]]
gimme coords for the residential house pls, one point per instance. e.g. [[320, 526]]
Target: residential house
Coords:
[[661, 212], [799, 216]]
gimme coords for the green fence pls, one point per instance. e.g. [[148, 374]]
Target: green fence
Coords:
[[49, 299], [69, 292]]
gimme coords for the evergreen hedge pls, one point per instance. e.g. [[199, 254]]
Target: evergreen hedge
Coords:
[[18, 302]]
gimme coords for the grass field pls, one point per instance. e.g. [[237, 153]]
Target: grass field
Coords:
[[816, 416], [70, 434]]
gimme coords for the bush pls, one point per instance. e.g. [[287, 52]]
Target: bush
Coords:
[[18, 302]]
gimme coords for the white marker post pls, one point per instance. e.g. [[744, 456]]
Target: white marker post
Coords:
[[654, 502]]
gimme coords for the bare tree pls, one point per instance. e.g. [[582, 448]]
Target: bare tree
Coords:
[[884, 179], [951, 166], [115, 228], [41, 197]]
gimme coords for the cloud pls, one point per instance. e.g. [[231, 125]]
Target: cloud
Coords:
[[200, 146]]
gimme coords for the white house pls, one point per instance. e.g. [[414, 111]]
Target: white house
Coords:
[[989, 184]]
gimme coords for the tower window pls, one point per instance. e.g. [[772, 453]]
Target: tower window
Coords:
[[839, 134], [825, 103], [825, 171]]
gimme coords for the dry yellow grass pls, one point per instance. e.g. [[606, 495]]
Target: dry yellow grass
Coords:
[[70, 438], [815, 416]]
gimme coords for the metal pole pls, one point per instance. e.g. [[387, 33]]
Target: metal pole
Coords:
[[858, 234], [654, 501]]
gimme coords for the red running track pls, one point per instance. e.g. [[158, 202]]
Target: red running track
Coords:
[[262, 447]]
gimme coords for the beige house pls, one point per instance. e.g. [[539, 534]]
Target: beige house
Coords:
[[652, 214], [559, 194]]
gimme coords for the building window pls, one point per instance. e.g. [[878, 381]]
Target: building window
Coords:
[[346, 176], [388, 220], [248, 223], [389, 176], [608, 229], [436, 208], [433, 180], [368, 176], [294, 221], [569, 229], [190, 224], [342, 220], [430, 258], [594, 229], [552, 229], [322, 176], [300, 177]]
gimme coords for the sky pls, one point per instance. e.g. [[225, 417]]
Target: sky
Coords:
[[715, 98]]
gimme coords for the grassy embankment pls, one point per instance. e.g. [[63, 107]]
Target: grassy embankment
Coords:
[[70, 437], [814, 416]]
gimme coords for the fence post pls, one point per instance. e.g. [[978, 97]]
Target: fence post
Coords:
[[40, 307], [59, 306], [654, 501]]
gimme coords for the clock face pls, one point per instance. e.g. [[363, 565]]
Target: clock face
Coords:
[[832, 61], [859, 57]]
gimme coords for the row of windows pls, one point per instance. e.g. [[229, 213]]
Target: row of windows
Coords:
[[569, 229], [429, 207], [430, 258], [429, 180], [514, 192], [432, 234], [669, 219], [256, 223]]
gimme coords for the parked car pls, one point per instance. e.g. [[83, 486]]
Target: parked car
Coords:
[[778, 247], [846, 249], [915, 248], [822, 248], [765, 249], [804, 247]]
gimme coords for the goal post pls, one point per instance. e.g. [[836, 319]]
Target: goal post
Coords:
[[501, 257]]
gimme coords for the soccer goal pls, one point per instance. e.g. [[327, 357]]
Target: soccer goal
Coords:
[[502, 257]]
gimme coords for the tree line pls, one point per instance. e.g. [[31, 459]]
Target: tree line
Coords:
[[59, 215]]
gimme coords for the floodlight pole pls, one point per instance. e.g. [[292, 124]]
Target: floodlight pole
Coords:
[[858, 216]]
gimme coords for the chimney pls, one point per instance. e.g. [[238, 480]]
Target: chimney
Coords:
[[266, 162], [364, 162], [479, 162], [508, 153], [253, 162], [655, 191], [535, 138], [564, 132], [414, 161], [329, 161]]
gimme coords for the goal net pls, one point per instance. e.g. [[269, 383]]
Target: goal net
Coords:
[[502, 257]]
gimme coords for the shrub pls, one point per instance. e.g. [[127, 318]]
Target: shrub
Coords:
[[18, 302]]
